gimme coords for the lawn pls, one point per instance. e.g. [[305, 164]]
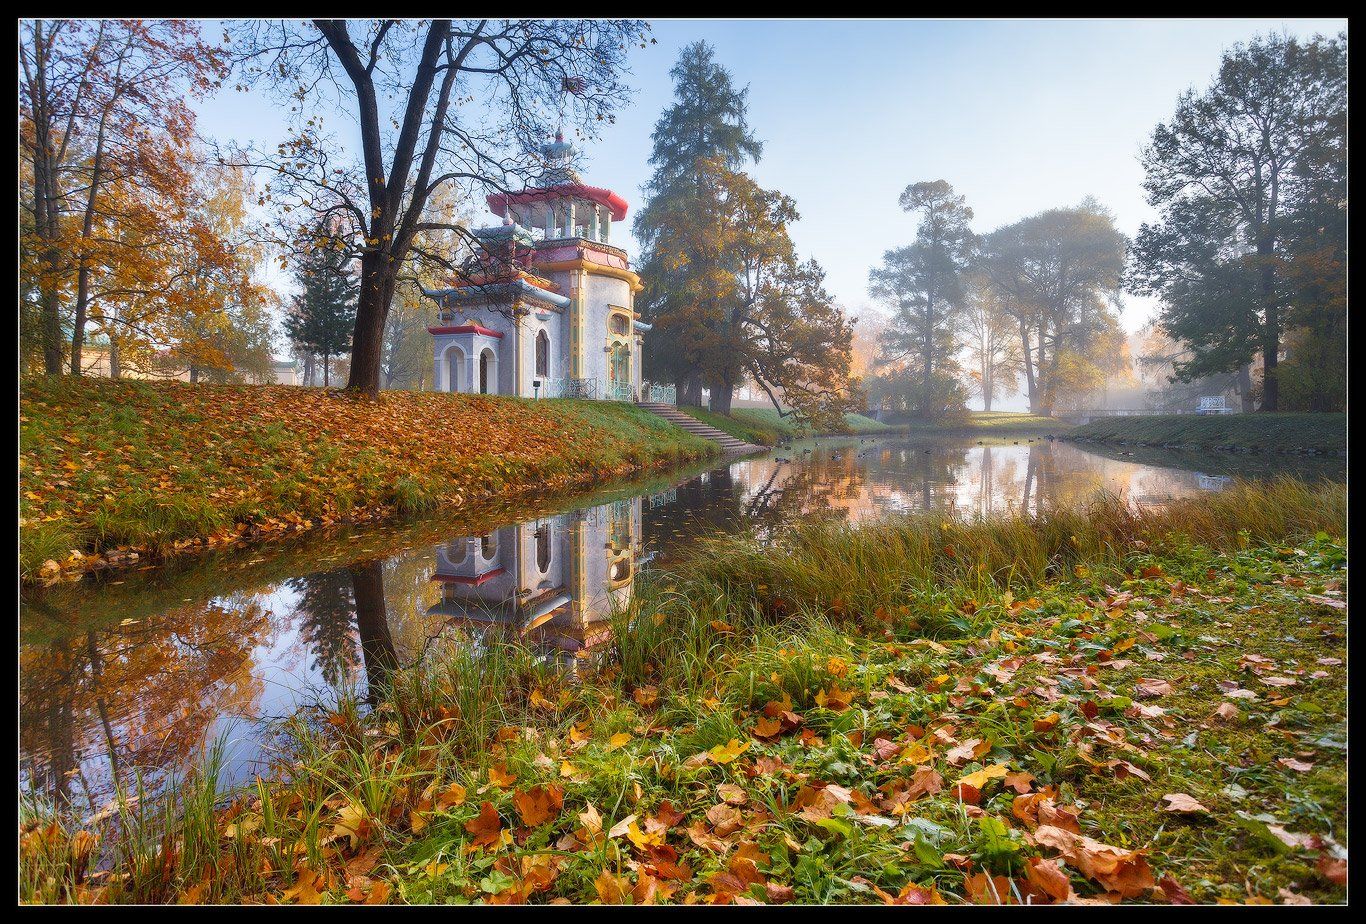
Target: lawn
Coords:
[[1249, 432], [989, 423], [766, 427], [108, 469], [1090, 705]]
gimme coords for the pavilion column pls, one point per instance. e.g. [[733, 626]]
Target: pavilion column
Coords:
[[606, 226], [572, 221], [597, 213]]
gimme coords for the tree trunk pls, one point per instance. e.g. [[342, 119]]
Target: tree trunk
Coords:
[[1031, 384], [928, 377], [1245, 388], [377, 283], [372, 624], [327, 367], [1271, 329], [721, 396], [115, 367], [690, 394], [46, 197], [83, 265]]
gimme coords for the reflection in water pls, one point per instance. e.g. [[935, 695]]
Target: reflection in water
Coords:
[[551, 582], [139, 672]]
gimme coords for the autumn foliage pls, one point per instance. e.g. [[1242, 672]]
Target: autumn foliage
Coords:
[[112, 471]]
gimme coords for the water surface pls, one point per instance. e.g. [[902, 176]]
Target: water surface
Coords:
[[134, 672]]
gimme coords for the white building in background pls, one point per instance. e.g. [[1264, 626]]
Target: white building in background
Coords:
[[546, 308]]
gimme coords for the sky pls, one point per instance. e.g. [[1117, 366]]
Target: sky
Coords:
[[1018, 115]]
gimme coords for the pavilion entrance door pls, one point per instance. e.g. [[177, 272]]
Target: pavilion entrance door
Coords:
[[619, 386]]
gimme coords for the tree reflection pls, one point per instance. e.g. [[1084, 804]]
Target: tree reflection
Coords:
[[97, 705], [372, 623]]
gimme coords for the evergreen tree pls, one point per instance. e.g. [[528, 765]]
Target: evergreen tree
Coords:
[[323, 315], [705, 125]]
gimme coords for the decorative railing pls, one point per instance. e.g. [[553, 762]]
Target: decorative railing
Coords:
[[570, 388], [591, 388], [662, 394], [620, 391]]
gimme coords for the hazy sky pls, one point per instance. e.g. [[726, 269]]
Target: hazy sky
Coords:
[[1018, 115]]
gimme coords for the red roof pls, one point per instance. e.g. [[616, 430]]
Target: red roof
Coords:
[[470, 581], [465, 329], [498, 201]]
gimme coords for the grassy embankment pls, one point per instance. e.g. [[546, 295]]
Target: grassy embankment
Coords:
[[1092, 704], [1325, 433], [109, 468], [989, 424], [764, 426]]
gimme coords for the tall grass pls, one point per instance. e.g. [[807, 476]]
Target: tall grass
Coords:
[[933, 565]]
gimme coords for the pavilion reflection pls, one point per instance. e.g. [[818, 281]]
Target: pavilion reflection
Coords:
[[553, 582]]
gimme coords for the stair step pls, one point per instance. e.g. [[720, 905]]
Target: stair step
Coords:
[[685, 421]]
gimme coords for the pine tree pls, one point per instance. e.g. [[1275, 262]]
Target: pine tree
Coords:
[[706, 125], [324, 313]]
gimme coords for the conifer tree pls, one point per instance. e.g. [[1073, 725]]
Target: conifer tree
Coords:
[[324, 312], [704, 127]]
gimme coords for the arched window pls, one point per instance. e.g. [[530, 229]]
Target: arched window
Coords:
[[488, 546], [543, 549], [484, 373], [542, 354], [617, 324]]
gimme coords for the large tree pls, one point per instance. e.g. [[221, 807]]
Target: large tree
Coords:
[[1226, 172], [103, 103], [173, 277], [437, 104], [705, 125], [1056, 274], [922, 284], [753, 310]]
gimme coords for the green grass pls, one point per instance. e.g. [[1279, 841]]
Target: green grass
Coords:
[[108, 468], [894, 643], [750, 431], [790, 427], [1252, 432], [764, 426], [992, 423]]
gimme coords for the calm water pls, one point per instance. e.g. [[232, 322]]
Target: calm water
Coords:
[[136, 672]]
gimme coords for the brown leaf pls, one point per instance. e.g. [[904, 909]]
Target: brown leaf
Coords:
[[1118, 870], [1182, 803]]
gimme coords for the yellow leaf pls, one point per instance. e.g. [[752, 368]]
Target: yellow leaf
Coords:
[[725, 753], [979, 779]]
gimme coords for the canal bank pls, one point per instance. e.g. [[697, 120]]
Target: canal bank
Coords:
[[115, 473], [1309, 434], [758, 701]]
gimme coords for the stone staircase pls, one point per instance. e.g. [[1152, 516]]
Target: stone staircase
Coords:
[[729, 444]]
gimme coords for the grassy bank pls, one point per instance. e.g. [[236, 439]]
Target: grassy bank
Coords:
[[1091, 705], [989, 424], [108, 468], [1244, 432], [766, 427]]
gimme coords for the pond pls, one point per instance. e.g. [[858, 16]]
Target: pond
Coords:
[[129, 675]]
